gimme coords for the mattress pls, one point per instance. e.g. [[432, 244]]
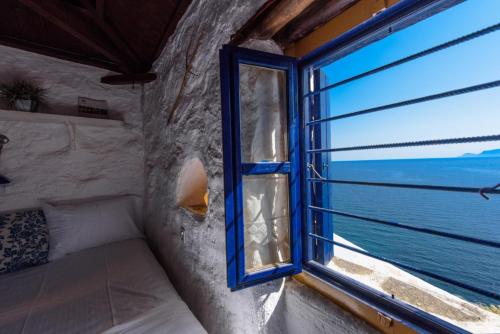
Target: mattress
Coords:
[[116, 288]]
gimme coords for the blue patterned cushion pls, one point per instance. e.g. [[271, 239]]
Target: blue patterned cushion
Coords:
[[24, 240]]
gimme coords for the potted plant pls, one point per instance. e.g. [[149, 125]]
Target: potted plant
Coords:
[[22, 95]]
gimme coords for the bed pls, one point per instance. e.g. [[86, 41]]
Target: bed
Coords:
[[114, 288]]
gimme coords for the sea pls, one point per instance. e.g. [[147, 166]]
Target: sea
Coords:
[[460, 213]]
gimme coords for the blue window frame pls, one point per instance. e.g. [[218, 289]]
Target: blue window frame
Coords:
[[305, 167], [318, 236], [236, 169]]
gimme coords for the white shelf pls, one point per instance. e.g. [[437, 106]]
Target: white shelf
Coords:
[[22, 116]]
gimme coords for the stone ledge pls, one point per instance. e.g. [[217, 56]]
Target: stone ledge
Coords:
[[22, 116]]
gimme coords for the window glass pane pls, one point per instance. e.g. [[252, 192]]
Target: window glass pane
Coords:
[[400, 176], [396, 45], [433, 74], [466, 115], [263, 114], [266, 220]]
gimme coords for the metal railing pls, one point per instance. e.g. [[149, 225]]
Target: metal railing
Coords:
[[463, 285], [409, 58], [318, 178], [448, 235]]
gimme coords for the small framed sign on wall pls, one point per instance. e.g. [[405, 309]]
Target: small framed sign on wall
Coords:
[[92, 108]]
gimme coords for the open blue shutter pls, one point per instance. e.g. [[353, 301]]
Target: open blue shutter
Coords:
[[247, 173]]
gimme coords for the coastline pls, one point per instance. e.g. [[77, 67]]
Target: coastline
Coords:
[[390, 279]]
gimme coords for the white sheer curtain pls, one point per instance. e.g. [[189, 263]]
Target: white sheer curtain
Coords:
[[264, 138]]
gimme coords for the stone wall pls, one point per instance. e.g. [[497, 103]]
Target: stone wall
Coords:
[[182, 120], [65, 160]]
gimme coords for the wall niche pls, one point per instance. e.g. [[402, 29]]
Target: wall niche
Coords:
[[192, 188]]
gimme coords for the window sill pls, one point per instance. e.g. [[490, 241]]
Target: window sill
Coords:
[[362, 310]]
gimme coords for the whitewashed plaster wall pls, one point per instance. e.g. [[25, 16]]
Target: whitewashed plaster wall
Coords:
[[66, 160], [193, 252]]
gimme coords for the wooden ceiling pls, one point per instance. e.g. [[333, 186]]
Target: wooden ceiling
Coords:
[[287, 21], [124, 36]]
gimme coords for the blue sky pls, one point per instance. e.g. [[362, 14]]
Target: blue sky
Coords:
[[470, 63]]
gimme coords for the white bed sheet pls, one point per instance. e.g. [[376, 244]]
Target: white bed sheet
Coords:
[[118, 288]]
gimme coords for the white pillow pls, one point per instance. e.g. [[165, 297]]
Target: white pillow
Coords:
[[77, 226]]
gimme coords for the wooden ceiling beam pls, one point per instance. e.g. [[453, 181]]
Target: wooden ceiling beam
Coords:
[[57, 53], [316, 15], [273, 16], [65, 22], [245, 31], [98, 16]]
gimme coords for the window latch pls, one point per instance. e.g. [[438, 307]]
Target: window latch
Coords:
[[311, 167], [488, 189]]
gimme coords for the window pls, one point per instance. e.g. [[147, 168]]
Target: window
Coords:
[[399, 162], [261, 166]]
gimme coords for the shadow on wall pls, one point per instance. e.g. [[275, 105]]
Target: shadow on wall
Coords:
[[270, 300], [3, 141], [192, 188]]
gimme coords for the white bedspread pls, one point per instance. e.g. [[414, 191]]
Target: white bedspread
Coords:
[[117, 288]]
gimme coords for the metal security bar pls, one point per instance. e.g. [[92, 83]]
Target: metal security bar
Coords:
[[486, 190], [450, 93], [448, 141], [409, 227], [466, 286], [483, 242], [314, 149], [414, 56]]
